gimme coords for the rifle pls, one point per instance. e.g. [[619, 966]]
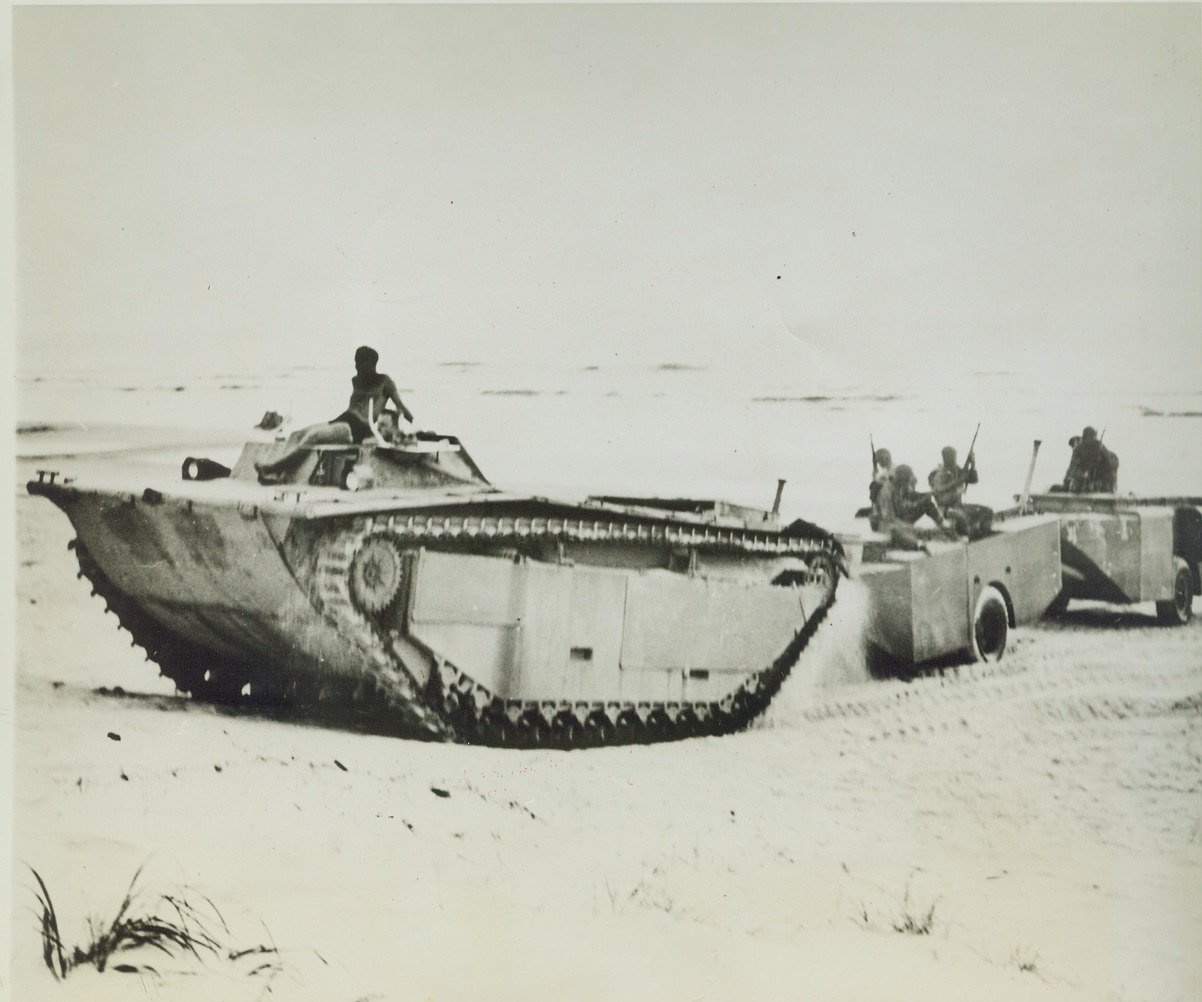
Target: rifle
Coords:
[[865, 512], [968, 459]]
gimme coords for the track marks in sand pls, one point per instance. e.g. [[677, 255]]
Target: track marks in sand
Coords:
[[1074, 731], [1044, 687]]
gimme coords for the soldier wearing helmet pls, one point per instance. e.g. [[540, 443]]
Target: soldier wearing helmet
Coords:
[[898, 506], [1093, 467], [948, 482]]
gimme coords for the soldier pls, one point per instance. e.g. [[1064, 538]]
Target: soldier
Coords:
[[882, 470], [1093, 467], [948, 482], [909, 504], [898, 506]]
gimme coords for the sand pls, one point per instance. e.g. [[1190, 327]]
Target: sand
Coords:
[[1030, 833]]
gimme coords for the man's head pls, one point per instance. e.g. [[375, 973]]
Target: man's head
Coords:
[[1089, 434], [1074, 441], [903, 476], [883, 458], [366, 359], [949, 456]]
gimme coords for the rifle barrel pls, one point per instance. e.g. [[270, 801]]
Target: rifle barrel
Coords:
[[971, 446], [973, 443]]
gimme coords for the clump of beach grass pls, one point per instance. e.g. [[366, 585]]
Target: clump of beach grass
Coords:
[[909, 918], [1026, 959], [914, 920], [173, 924]]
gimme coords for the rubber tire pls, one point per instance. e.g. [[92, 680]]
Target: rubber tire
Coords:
[[1178, 610], [990, 626], [823, 572]]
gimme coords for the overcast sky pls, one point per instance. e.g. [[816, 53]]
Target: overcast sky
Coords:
[[926, 187]]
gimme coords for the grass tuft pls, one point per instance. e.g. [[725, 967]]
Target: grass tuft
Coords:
[[1026, 959], [52, 942], [909, 918], [177, 924], [914, 921]]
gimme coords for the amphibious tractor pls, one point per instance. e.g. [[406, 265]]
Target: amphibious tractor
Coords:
[[394, 583]]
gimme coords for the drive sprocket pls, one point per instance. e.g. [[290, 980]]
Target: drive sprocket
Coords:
[[377, 575]]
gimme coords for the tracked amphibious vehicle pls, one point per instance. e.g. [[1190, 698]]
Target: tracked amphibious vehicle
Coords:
[[397, 585]]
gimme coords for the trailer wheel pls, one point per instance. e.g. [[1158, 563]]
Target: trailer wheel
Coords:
[[821, 572], [1177, 611], [990, 626]]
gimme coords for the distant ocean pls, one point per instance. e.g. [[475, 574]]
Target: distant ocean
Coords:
[[665, 428]]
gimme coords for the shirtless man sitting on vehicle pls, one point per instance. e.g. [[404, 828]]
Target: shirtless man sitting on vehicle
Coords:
[[371, 392]]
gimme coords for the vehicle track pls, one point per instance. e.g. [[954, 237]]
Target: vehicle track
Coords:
[[453, 706]]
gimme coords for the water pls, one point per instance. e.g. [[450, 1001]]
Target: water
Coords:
[[715, 428]]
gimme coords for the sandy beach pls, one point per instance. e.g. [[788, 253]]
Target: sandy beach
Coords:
[[1030, 831], [690, 251]]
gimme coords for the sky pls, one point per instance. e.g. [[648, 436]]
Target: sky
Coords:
[[919, 191]]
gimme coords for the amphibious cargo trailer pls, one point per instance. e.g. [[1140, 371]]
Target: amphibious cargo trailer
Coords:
[[958, 598], [1128, 549]]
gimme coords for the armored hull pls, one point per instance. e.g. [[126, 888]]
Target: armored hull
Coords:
[[396, 585]]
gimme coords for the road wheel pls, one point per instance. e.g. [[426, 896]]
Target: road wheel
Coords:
[[990, 626], [1177, 611]]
